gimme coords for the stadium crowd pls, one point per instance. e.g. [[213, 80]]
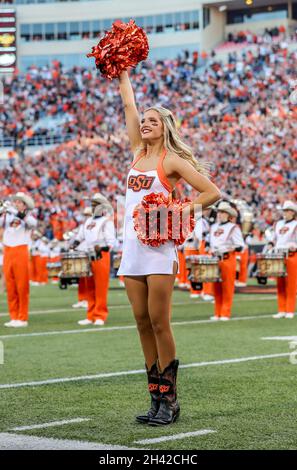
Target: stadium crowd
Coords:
[[253, 38], [236, 115]]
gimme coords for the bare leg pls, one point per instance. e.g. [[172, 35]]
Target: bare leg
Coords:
[[137, 291], [160, 287]]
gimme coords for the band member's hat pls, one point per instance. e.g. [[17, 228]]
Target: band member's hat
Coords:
[[99, 199], [225, 207], [25, 198], [289, 206]]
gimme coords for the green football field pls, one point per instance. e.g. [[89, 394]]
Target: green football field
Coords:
[[236, 390]]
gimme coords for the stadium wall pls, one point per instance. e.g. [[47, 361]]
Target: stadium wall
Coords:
[[162, 44], [214, 32]]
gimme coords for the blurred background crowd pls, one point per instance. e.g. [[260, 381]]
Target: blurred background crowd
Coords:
[[235, 114]]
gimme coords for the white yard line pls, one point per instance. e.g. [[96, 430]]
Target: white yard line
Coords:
[[193, 302], [67, 332], [234, 361], [174, 437], [280, 338], [139, 371], [10, 441], [51, 424], [101, 329]]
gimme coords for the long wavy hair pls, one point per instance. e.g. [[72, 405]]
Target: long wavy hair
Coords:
[[173, 142]]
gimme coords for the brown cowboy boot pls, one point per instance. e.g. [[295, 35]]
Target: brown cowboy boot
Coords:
[[153, 377], [169, 408]]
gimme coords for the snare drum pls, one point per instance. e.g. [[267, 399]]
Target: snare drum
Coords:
[[75, 264], [271, 265], [54, 269], [203, 268]]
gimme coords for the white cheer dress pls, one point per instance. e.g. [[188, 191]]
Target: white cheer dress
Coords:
[[139, 259]]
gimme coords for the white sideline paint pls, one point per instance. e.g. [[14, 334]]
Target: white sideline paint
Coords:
[[193, 302], [51, 424], [10, 441], [174, 437], [134, 372], [280, 338], [91, 329]]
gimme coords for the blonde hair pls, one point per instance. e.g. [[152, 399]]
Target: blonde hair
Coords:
[[173, 142]]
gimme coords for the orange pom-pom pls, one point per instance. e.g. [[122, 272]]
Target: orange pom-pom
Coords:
[[124, 46], [158, 219]]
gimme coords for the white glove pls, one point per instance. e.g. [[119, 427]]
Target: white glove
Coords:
[[8, 207], [12, 210]]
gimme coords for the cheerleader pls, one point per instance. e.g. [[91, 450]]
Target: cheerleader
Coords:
[[161, 158]]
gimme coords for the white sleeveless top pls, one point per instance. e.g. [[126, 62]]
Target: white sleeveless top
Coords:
[[139, 259]]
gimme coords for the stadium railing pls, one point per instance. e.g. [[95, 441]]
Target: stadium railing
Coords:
[[37, 140]]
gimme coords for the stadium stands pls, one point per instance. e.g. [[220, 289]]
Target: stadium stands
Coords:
[[236, 115]]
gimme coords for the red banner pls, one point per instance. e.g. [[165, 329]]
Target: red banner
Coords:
[[8, 49]]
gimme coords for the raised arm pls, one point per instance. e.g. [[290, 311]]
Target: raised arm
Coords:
[[131, 113]]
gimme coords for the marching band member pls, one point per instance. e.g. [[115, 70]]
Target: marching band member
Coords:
[[285, 241], [225, 240], [99, 234], [17, 223], [82, 291], [35, 256]]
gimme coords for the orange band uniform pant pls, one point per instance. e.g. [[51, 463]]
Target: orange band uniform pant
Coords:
[[82, 292], [287, 286], [224, 291], [97, 288], [244, 260], [16, 272], [182, 275]]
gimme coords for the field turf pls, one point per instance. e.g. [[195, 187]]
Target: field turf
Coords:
[[249, 401]]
